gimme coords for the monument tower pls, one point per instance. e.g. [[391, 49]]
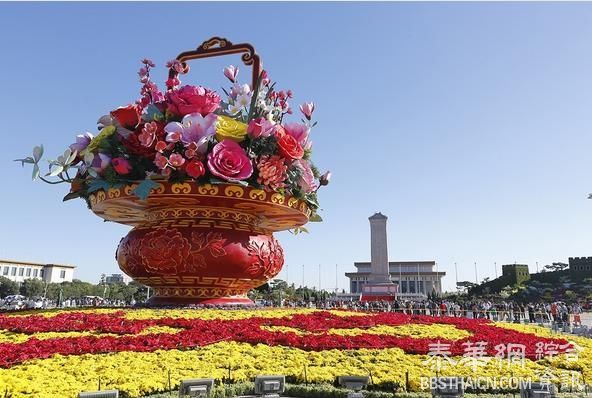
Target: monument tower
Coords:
[[379, 286], [379, 249]]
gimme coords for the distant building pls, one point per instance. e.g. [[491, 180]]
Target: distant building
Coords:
[[117, 278], [515, 274], [416, 279], [18, 271], [580, 267]]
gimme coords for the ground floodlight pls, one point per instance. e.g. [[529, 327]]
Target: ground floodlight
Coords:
[[447, 387], [99, 394], [537, 390], [355, 383], [196, 388], [269, 386]]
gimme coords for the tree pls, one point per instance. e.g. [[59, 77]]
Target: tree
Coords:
[[557, 267], [8, 287], [32, 288]]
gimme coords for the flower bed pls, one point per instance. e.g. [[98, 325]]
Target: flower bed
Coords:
[[61, 353]]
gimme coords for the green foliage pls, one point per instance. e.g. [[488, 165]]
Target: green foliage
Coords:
[[32, 288], [8, 287]]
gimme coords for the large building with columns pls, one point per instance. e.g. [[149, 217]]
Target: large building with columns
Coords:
[[406, 279], [416, 279], [18, 271]]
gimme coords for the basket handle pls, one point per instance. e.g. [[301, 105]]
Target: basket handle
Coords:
[[217, 46]]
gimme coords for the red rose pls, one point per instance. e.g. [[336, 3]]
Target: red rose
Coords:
[[192, 99], [195, 169], [121, 166], [290, 148], [127, 116]]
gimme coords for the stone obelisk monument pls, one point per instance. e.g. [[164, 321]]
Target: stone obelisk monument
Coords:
[[378, 250], [379, 286]]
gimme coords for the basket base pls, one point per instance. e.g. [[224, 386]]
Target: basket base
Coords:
[[231, 301]]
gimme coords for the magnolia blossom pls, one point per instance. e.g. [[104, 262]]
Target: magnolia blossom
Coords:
[[325, 178], [194, 130], [299, 131], [238, 90], [307, 109], [82, 142], [231, 72], [307, 181], [100, 162], [260, 128]]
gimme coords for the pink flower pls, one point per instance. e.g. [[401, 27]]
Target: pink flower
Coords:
[[172, 83], [121, 166], [307, 181], [160, 146], [161, 161], [148, 134], [192, 99], [229, 162], [231, 72], [143, 72], [195, 127], [298, 131], [176, 65], [307, 109], [148, 63], [176, 160], [260, 127], [265, 78]]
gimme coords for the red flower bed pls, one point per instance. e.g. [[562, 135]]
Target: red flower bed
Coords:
[[198, 332]]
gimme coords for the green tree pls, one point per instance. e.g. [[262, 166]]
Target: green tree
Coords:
[[32, 288], [8, 287]]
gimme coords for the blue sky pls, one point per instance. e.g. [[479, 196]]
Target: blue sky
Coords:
[[467, 124]]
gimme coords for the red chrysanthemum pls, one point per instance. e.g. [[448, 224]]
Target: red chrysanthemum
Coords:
[[272, 172]]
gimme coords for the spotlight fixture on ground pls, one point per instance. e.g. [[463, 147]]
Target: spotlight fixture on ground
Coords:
[[99, 394], [196, 388], [269, 386], [447, 387], [537, 390], [354, 383]]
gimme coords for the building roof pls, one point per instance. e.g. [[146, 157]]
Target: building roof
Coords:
[[395, 263], [443, 273], [38, 264], [378, 216]]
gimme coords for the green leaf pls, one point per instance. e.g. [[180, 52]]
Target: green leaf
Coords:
[[56, 170], [38, 153], [25, 160], [71, 195], [35, 172], [315, 218], [143, 189], [97, 184], [152, 113]]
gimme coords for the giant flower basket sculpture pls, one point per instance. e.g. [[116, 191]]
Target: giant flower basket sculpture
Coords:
[[203, 180]]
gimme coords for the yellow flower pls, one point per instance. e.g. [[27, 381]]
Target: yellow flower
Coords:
[[228, 128]]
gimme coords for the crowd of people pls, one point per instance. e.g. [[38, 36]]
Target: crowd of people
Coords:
[[510, 311]]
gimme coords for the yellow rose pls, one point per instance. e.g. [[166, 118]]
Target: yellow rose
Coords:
[[228, 128]]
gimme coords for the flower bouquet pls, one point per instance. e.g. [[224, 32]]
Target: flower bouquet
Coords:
[[204, 178]]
